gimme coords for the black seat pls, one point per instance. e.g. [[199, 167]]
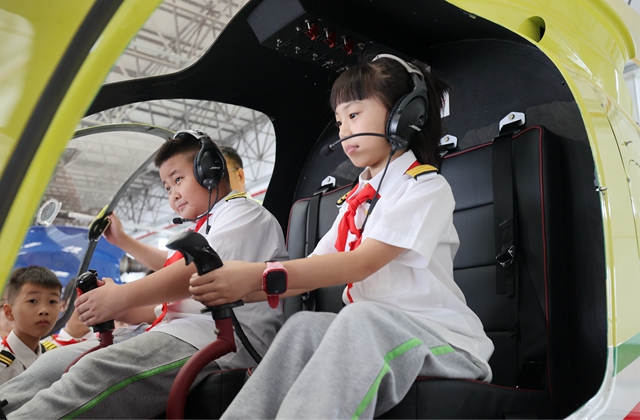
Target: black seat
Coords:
[[516, 324], [328, 299]]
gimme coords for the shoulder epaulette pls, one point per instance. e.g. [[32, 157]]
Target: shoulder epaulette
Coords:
[[421, 170], [47, 345], [342, 199], [6, 358], [237, 195]]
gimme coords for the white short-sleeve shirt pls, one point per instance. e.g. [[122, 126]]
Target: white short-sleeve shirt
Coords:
[[415, 214], [241, 229], [16, 357]]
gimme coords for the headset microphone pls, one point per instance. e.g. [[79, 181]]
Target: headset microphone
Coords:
[[180, 220], [397, 143]]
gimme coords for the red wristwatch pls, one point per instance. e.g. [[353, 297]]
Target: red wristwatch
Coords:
[[274, 282]]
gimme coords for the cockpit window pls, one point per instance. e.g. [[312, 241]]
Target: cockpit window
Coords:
[[248, 131], [93, 168], [176, 35]]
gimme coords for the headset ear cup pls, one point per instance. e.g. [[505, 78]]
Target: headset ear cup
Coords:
[[209, 165], [392, 121], [197, 173], [408, 116]]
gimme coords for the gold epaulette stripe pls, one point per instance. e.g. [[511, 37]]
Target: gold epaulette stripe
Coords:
[[49, 345], [237, 195], [341, 199], [420, 170], [6, 357]]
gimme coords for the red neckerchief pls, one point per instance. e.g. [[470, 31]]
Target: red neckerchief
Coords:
[[177, 256], [4, 343], [66, 342], [348, 222]]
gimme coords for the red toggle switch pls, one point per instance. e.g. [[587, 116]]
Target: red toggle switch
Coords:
[[312, 31], [331, 38], [348, 45]]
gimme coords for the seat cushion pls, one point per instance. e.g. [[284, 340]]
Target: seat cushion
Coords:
[[465, 399]]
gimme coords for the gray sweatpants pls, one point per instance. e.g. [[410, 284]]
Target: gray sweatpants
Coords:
[[130, 379], [359, 363]]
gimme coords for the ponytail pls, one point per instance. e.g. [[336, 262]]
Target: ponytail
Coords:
[[425, 147]]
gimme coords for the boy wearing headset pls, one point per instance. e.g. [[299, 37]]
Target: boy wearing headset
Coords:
[[139, 372]]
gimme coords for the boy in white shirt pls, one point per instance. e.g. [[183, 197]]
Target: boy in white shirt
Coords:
[[132, 378], [33, 304]]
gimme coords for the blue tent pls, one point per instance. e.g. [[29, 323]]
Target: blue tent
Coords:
[[62, 248]]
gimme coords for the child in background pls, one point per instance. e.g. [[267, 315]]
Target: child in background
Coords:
[[235, 168], [393, 244], [33, 304]]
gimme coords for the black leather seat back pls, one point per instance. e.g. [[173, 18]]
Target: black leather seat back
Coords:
[[298, 219], [470, 175], [328, 299], [516, 324]]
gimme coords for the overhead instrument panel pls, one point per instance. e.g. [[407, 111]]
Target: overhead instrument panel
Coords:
[[285, 26]]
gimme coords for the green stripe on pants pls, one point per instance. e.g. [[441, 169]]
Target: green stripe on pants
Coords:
[[118, 386], [398, 351]]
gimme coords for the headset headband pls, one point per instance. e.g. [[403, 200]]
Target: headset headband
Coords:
[[410, 67], [198, 134]]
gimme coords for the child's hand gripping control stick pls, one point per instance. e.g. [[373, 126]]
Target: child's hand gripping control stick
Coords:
[[194, 247], [86, 282]]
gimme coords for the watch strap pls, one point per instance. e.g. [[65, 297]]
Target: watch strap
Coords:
[[273, 300], [274, 264]]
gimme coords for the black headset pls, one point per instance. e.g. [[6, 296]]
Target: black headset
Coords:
[[409, 115], [209, 165]]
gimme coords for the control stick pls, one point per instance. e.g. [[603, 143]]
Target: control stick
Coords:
[[86, 282], [195, 248]]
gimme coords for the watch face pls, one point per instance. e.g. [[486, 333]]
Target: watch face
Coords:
[[276, 282]]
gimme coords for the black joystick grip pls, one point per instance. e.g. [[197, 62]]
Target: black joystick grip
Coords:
[[195, 248], [86, 282]]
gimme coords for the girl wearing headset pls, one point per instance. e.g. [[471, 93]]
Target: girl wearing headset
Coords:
[[404, 316]]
